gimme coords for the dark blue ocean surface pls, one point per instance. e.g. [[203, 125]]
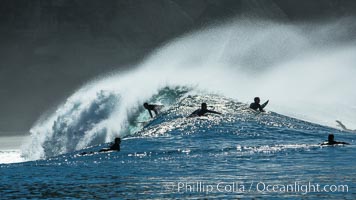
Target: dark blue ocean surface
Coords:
[[239, 154]]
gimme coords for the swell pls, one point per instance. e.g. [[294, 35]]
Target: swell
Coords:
[[304, 69]]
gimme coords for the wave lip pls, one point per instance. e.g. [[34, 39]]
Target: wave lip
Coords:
[[91, 118]]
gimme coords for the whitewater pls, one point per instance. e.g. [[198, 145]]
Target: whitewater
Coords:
[[305, 70]]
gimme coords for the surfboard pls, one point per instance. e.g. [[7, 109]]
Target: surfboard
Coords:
[[143, 122]]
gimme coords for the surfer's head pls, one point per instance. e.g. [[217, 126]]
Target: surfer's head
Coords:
[[117, 140], [331, 138], [145, 105], [257, 99], [204, 106]]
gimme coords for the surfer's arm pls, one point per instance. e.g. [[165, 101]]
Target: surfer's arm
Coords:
[[149, 111], [345, 143], [211, 111], [342, 143], [261, 109], [194, 114]]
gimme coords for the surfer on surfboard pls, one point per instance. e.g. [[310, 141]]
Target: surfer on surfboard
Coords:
[[113, 147], [331, 141], [202, 111], [152, 107], [256, 104]]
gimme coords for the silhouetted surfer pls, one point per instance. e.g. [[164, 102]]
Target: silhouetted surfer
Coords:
[[344, 127], [202, 111], [113, 147], [152, 107], [331, 141], [256, 104]]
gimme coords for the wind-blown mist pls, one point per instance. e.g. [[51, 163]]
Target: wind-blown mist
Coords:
[[307, 72]]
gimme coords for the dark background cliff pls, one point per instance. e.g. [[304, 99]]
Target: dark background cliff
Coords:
[[49, 48]]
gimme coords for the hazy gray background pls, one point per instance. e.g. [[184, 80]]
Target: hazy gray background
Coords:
[[49, 48]]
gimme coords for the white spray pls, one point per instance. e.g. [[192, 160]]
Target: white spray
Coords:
[[304, 70]]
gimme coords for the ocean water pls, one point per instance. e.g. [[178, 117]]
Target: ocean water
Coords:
[[239, 154]]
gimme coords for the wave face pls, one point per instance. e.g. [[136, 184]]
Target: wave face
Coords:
[[306, 70], [240, 146]]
